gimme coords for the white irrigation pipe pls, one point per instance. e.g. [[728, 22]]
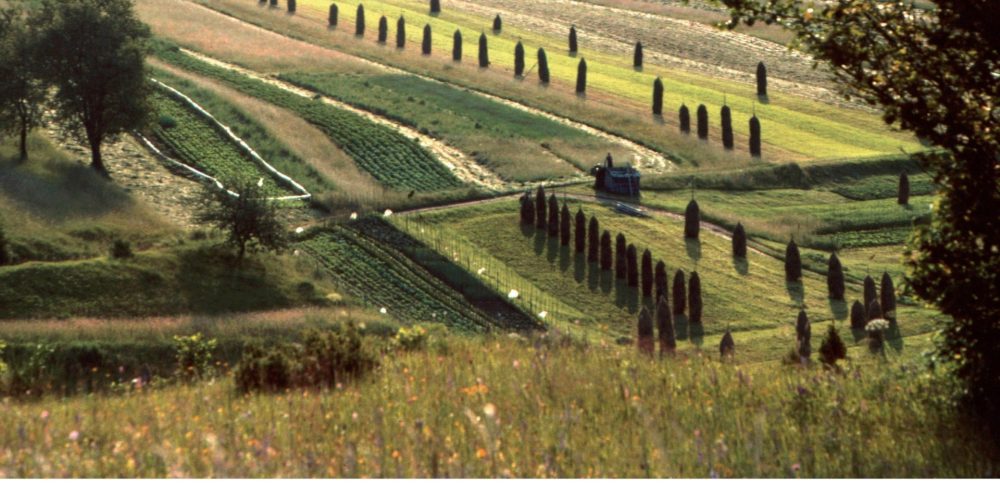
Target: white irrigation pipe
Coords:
[[240, 142]]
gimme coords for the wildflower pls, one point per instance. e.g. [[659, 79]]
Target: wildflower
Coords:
[[481, 453], [517, 364], [354, 216], [73, 436], [300, 230], [796, 467], [387, 213], [543, 314], [383, 310], [44, 415], [481, 270], [490, 410], [260, 183], [877, 325], [513, 294]]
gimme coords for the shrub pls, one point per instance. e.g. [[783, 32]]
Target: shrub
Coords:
[[414, 338], [263, 368], [803, 335], [887, 296], [727, 128], [637, 55], [632, 266], [425, 44], [166, 122], [291, 6], [858, 316], [685, 119], [593, 234], [540, 208], [793, 262], [727, 347], [543, 66], [383, 29], [665, 326], [646, 343], [435, 6], [497, 24], [334, 14], [359, 21], [694, 298], [564, 226], [647, 273], [870, 294], [692, 220], [121, 249], [194, 356], [581, 232], [553, 216], [761, 79], [519, 59], [832, 349], [581, 77], [660, 281], [572, 40], [835, 277], [754, 137], [484, 52], [621, 264], [903, 196], [680, 297], [702, 122], [400, 33], [658, 97], [739, 242], [250, 219], [606, 250], [456, 46]]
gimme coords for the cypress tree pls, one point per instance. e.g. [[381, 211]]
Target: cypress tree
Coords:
[[793, 262], [359, 21], [761, 80], [694, 298], [594, 245], [665, 326], [606, 251], [456, 46], [658, 97], [680, 298], [527, 210], [497, 24], [702, 122], [581, 77], [887, 296], [660, 280], [803, 335], [564, 226], [637, 55], [859, 317], [435, 6], [581, 231], [274, 3], [871, 294], [519, 59], [833, 348], [874, 310], [400, 33], [835, 277], [572, 39], [5, 258], [754, 137], [425, 45], [903, 196], [685, 119], [484, 53], [647, 273], [543, 66], [692, 220], [646, 343], [540, 208], [621, 265], [727, 128], [632, 266], [334, 13], [383, 29], [727, 347], [739, 242], [291, 6], [553, 216]]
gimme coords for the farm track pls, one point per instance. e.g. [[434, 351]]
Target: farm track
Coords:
[[644, 158]]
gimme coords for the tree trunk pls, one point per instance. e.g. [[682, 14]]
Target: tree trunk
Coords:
[[24, 139], [96, 160]]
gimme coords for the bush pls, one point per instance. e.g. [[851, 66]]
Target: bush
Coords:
[[903, 195], [739, 242], [665, 326], [887, 296], [334, 13], [727, 128], [859, 317], [832, 349], [414, 338], [425, 44], [543, 66], [541, 205], [250, 219], [621, 262], [702, 122], [637, 55], [581, 77], [835, 278], [606, 250], [194, 356], [594, 243], [692, 220], [632, 266], [685, 119], [660, 281], [572, 40], [166, 122], [553, 216], [793, 262], [761, 79], [803, 335], [694, 298], [519, 59], [580, 240], [755, 137], [456, 46], [645, 342], [647, 273], [658, 97], [359, 21], [680, 298], [727, 347], [121, 249], [271, 368], [400, 33], [484, 52]]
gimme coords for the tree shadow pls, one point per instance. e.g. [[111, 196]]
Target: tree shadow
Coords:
[[681, 327], [658, 119], [796, 291], [693, 247], [839, 309], [527, 230], [893, 337], [552, 249], [696, 331], [742, 265], [540, 238], [593, 275], [607, 280], [859, 334], [763, 99], [580, 267], [563, 258], [626, 296]]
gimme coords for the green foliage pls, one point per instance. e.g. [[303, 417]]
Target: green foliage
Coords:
[[331, 19], [527, 210], [859, 316], [5, 257], [835, 277], [694, 298], [519, 59], [594, 239], [383, 30], [647, 273], [572, 40], [121, 249], [833, 348], [435, 6], [887, 296], [637, 56], [646, 343], [632, 267], [739, 242], [580, 233], [680, 297], [658, 97], [665, 327], [497, 24], [243, 211], [484, 51], [553, 216], [359, 21], [400, 33], [870, 292], [22, 90], [606, 251], [291, 6], [903, 196], [621, 260], [803, 335], [194, 355], [793, 262], [761, 79], [581, 77], [685, 119], [702, 116], [692, 220], [541, 204], [564, 226], [755, 140], [660, 281], [456, 46], [727, 346], [425, 43], [543, 66], [727, 128]]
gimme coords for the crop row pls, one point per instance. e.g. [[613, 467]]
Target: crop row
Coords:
[[383, 278], [391, 158]]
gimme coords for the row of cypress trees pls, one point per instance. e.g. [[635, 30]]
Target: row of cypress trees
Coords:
[[684, 118]]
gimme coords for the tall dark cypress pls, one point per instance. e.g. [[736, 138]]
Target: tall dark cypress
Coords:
[[519, 59], [543, 66], [564, 226], [637, 55], [903, 195], [456, 46], [572, 39], [870, 294], [400, 33], [383, 29], [274, 4], [665, 327], [484, 52], [647, 274], [435, 6], [692, 220], [553, 216], [497, 24], [594, 237], [527, 210], [291, 6], [425, 45], [874, 310], [680, 297], [621, 266], [754, 137], [541, 205], [727, 128], [685, 119], [739, 242], [761, 80], [887, 296], [660, 280], [359, 21], [580, 240], [645, 341], [727, 347], [658, 97], [702, 122], [835, 278], [694, 298], [803, 335], [631, 266], [793, 262], [606, 251], [581, 77], [859, 316], [334, 14]]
